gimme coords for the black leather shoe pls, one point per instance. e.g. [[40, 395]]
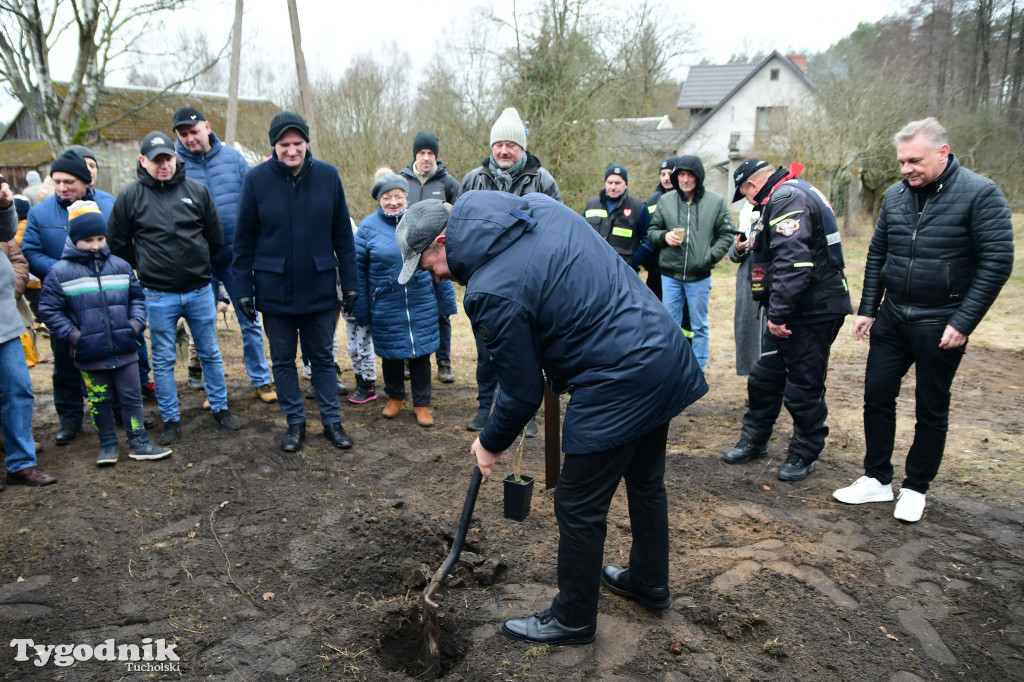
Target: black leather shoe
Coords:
[[617, 580], [293, 438], [544, 628], [795, 468], [336, 434], [744, 452], [67, 433]]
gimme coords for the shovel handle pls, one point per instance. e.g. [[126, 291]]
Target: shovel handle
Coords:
[[460, 537]]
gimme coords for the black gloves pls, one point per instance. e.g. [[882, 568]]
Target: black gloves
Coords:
[[348, 301], [246, 308]]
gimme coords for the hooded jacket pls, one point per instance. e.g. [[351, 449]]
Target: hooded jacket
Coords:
[[11, 326], [707, 223], [440, 185], [46, 229], [548, 296], [94, 302], [940, 255], [402, 319], [294, 244], [168, 230], [534, 178], [221, 170]]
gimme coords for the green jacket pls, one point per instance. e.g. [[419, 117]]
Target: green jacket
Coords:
[[709, 234]]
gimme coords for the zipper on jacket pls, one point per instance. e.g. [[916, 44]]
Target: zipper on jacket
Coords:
[[103, 301], [408, 319]]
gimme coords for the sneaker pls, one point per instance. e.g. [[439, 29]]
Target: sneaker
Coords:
[[266, 393], [138, 450], [795, 468], [307, 371], [865, 489], [531, 428], [195, 379], [107, 456], [171, 434], [226, 421], [363, 394], [149, 392], [478, 423], [909, 506]]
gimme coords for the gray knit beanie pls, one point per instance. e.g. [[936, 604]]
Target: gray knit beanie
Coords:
[[387, 183], [509, 127]]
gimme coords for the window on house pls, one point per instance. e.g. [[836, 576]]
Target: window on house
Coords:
[[771, 121], [774, 74]]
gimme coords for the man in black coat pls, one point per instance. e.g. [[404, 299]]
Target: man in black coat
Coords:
[[941, 252]]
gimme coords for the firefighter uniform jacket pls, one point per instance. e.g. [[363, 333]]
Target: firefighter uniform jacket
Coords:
[[624, 227]]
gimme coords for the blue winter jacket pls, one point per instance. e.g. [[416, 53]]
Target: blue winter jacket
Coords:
[[403, 318], [546, 293], [94, 302], [221, 170], [46, 230], [294, 239]]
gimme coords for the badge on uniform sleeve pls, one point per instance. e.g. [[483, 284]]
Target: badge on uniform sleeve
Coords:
[[627, 212], [787, 228]]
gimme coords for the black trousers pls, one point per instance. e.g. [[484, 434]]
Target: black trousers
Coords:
[[317, 333], [419, 379], [110, 389], [584, 493], [792, 372], [895, 346], [68, 389]]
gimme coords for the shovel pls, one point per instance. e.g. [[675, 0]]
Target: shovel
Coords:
[[430, 632]]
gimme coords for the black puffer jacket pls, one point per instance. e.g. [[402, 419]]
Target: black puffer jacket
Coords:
[[946, 265]]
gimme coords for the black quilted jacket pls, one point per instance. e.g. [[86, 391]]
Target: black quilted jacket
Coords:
[[946, 265]]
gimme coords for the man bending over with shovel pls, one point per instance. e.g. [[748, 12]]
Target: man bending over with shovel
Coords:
[[549, 296]]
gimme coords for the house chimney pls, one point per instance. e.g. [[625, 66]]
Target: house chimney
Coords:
[[799, 61]]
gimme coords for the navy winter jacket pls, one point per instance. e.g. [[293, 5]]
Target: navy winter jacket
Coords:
[[221, 170], [294, 239], [46, 230], [946, 265], [94, 302], [546, 293], [403, 319]]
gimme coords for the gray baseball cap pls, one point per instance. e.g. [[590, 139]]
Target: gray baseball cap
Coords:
[[417, 230]]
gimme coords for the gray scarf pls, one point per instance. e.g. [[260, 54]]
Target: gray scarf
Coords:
[[504, 178]]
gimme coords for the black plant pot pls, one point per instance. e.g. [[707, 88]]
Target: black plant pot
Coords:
[[517, 497]]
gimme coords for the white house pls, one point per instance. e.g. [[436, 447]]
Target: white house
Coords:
[[728, 108]]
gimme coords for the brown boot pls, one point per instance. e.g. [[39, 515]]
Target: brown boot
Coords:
[[390, 410], [423, 416]]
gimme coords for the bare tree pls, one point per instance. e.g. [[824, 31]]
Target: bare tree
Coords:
[[102, 30]]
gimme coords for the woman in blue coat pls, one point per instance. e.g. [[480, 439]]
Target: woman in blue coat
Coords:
[[403, 318]]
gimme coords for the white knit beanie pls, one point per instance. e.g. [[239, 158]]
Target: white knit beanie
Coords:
[[509, 127]]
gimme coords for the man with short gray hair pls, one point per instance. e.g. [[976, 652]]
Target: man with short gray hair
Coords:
[[940, 254]]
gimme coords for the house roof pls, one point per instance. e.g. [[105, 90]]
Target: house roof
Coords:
[[708, 84], [739, 85], [646, 136], [156, 113]]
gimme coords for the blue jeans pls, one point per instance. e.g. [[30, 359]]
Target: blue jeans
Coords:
[[199, 309], [695, 295], [252, 334], [16, 403]]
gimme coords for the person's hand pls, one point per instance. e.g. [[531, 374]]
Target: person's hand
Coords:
[[741, 243], [222, 306], [485, 459], [861, 325], [6, 195], [951, 338], [246, 307], [348, 301], [672, 239], [779, 330]]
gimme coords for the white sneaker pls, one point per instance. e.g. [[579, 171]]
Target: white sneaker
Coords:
[[909, 506], [865, 489]]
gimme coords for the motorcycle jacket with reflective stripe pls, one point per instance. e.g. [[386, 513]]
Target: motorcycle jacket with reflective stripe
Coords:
[[792, 272], [621, 227]]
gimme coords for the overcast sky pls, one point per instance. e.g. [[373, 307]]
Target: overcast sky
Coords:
[[332, 32]]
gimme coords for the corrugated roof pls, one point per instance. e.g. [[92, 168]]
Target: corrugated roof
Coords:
[[707, 84]]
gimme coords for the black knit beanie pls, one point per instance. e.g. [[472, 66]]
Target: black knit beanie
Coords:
[[72, 163], [617, 169], [425, 140], [285, 121]]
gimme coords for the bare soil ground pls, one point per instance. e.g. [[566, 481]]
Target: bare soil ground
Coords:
[[259, 565]]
